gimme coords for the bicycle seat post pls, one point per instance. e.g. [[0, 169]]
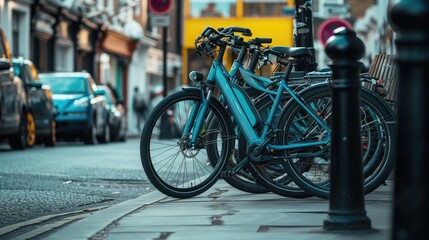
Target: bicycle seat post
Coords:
[[242, 53], [255, 58], [288, 71]]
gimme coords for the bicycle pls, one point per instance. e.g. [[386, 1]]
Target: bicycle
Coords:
[[217, 136], [276, 179], [243, 180], [377, 142]]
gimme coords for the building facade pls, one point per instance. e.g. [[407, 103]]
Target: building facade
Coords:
[[111, 39], [367, 17]]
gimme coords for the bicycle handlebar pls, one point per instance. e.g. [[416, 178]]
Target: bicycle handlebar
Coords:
[[268, 51], [260, 41], [214, 35], [210, 37]]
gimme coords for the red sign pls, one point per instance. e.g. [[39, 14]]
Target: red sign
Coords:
[[160, 6], [326, 29]]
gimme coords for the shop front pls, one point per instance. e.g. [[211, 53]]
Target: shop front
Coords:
[[116, 52]]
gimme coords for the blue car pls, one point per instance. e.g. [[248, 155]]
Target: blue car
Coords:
[[117, 116], [80, 107]]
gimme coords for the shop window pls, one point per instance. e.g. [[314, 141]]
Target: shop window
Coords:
[[266, 8], [17, 38], [219, 8], [63, 58]]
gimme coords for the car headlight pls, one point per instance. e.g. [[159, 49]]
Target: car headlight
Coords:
[[117, 113], [82, 102]]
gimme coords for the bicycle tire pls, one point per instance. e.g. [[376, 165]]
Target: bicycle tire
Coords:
[[243, 180], [171, 165], [271, 174], [378, 153]]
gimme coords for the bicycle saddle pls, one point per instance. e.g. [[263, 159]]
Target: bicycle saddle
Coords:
[[299, 52], [281, 49]]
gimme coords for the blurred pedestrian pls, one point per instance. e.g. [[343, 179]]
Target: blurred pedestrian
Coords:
[[139, 107]]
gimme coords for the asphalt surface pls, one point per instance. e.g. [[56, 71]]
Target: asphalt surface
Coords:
[[69, 177], [226, 213]]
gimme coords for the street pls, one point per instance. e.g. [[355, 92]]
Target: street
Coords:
[[68, 179]]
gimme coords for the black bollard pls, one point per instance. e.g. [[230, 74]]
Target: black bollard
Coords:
[[411, 192], [346, 206]]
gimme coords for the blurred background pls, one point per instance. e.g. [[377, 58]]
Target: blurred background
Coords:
[[121, 43]]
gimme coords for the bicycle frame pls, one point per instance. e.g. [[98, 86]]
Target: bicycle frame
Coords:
[[237, 104]]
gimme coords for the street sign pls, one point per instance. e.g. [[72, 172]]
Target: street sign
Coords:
[[160, 20], [337, 10], [160, 6], [326, 29]]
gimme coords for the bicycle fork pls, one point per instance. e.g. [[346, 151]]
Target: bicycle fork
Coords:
[[195, 123]]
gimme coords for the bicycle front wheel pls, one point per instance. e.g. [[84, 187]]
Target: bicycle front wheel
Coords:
[[173, 165]]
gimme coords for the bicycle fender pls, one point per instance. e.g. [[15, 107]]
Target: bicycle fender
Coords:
[[191, 89]]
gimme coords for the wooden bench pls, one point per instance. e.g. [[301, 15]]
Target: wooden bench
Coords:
[[384, 67]]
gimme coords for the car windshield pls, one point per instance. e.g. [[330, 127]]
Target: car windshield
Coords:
[[66, 85]]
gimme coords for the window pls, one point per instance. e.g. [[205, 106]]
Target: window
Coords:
[[267, 8], [63, 58], [16, 38], [218, 8]]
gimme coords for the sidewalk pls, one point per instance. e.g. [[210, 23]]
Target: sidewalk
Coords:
[[226, 213]]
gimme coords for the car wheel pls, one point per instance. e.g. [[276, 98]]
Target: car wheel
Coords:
[[123, 138], [122, 132], [51, 139], [31, 130], [91, 137], [19, 140], [114, 132], [105, 138]]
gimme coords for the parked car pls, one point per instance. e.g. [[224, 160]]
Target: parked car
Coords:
[[117, 116], [13, 109], [80, 106], [40, 107]]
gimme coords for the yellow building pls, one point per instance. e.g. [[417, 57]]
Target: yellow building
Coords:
[[264, 17]]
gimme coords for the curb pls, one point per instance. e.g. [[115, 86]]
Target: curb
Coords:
[[97, 222]]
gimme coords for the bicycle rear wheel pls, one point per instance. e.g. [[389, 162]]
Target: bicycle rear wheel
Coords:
[[174, 166], [377, 139]]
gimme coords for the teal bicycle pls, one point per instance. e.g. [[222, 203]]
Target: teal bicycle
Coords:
[[189, 138]]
